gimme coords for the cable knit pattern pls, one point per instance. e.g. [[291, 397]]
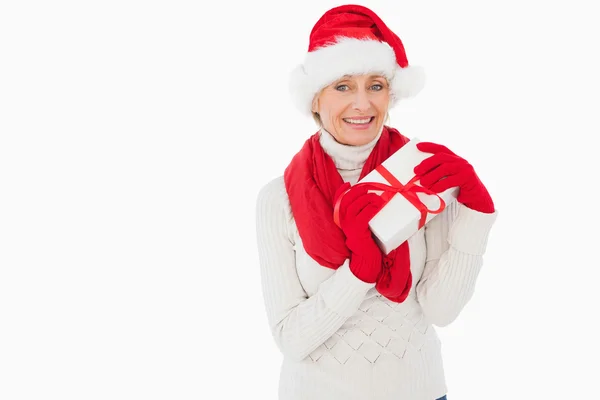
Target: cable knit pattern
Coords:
[[339, 337]]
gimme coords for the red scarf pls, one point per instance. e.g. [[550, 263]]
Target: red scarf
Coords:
[[311, 181]]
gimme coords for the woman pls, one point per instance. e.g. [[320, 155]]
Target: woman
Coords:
[[352, 322]]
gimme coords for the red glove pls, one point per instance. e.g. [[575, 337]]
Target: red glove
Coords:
[[457, 172], [357, 208]]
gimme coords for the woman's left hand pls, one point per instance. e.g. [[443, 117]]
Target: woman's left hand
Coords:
[[457, 172]]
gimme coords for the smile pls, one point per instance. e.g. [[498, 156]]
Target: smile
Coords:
[[358, 121]]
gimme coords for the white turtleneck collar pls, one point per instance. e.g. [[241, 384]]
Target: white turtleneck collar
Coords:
[[346, 157]]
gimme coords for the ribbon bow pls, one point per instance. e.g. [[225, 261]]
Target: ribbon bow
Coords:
[[409, 191]]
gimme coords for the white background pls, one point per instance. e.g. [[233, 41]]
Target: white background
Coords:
[[134, 139]]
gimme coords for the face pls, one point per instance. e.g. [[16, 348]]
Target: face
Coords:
[[354, 108]]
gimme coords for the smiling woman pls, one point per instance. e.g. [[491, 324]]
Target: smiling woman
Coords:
[[354, 108], [351, 321]]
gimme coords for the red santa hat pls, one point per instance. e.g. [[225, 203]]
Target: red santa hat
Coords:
[[353, 40]]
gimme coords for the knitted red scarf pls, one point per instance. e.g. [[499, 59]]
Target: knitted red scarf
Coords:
[[311, 181]]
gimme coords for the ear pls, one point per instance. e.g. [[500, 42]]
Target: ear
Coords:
[[315, 105]]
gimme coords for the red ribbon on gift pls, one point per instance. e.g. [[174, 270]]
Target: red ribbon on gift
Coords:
[[409, 191]]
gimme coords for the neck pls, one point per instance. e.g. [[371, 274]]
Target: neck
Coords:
[[346, 157]]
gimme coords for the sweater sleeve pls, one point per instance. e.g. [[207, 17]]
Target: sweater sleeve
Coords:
[[456, 241], [299, 323]]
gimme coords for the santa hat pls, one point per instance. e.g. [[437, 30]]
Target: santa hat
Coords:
[[351, 40]]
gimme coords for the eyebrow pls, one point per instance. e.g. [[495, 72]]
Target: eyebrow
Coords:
[[371, 76]]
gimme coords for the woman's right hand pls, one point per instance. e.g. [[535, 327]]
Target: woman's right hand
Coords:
[[356, 209]]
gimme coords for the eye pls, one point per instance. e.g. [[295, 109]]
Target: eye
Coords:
[[341, 88], [377, 87]]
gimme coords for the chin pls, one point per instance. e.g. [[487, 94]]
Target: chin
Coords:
[[359, 135], [354, 137], [359, 139]]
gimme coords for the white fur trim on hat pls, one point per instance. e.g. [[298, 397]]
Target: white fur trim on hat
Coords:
[[351, 56]]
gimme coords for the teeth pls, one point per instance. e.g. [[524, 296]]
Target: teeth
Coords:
[[357, 121]]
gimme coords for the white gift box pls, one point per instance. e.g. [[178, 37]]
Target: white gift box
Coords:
[[399, 219]]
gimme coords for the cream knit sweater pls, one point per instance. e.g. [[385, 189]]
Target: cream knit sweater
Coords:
[[339, 337]]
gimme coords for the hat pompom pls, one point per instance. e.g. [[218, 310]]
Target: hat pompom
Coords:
[[406, 83]]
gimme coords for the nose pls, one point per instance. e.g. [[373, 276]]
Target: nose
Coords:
[[361, 100]]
